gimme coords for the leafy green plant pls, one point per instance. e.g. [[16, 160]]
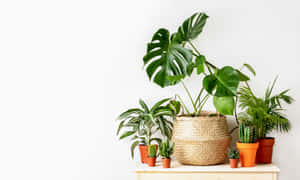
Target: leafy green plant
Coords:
[[265, 113], [165, 149], [247, 133], [233, 153], [152, 150], [170, 58], [142, 123]]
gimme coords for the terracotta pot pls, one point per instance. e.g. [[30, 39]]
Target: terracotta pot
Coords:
[[247, 153], [143, 152], [166, 162], [151, 161], [234, 163], [265, 150]]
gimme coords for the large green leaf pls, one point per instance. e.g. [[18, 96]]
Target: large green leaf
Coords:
[[224, 105], [191, 27], [225, 82], [228, 82], [166, 58]]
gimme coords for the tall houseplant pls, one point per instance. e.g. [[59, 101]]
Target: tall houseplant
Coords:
[[267, 114], [169, 59], [141, 124]]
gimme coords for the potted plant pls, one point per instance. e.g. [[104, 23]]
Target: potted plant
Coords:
[[165, 151], [142, 123], [233, 155], [247, 145], [169, 59], [267, 114], [152, 150]]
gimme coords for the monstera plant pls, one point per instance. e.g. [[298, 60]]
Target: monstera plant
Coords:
[[170, 58]]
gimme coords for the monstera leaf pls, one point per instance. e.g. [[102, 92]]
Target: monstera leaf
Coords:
[[191, 27], [166, 58], [223, 85], [225, 82]]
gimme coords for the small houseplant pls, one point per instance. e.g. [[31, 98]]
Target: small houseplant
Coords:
[[169, 59], [165, 151], [152, 150], [267, 114], [248, 144], [233, 155], [142, 123]]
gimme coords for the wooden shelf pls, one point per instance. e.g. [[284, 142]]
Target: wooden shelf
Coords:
[[216, 172]]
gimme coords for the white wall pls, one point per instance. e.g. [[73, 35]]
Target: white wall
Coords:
[[68, 68]]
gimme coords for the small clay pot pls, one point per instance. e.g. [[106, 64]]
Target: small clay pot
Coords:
[[151, 161], [234, 163], [265, 151], [166, 162], [143, 152]]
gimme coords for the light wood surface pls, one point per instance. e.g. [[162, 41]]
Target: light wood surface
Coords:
[[217, 172]]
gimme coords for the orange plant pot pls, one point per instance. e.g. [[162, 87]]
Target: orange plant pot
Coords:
[[151, 161], [265, 151], [166, 162], [143, 153], [247, 153], [234, 163]]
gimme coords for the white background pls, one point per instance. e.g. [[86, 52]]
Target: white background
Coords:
[[68, 68]]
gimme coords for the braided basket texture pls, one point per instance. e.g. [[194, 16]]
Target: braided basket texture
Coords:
[[201, 140]]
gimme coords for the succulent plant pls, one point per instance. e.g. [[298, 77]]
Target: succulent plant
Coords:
[[152, 150], [233, 153], [247, 133], [165, 149]]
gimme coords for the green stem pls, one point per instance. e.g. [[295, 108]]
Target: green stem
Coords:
[[195, 49], [203, 103], [198, 97], [198, 53], [190, 96], [182, 103]]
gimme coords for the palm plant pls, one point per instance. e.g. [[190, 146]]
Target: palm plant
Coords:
[[265, 113], [142, 123], [165, 149], [172, 57]]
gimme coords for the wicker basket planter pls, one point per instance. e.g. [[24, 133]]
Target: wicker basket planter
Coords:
[[201, 140]]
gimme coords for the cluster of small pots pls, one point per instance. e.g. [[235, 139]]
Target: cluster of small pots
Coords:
[[254, 153], [151, 161]]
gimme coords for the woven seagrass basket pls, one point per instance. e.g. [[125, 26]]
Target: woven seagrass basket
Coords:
[[201, 140]]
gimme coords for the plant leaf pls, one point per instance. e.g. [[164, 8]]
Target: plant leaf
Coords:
[[224, 105], [191, 27], [166, 58], [126, 134], [144, 106], [250, 68], [158, 104], [209, 83], [228, 82], [127, 113], [120, 127], [242, 76], [200, 60], [133, 146]]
